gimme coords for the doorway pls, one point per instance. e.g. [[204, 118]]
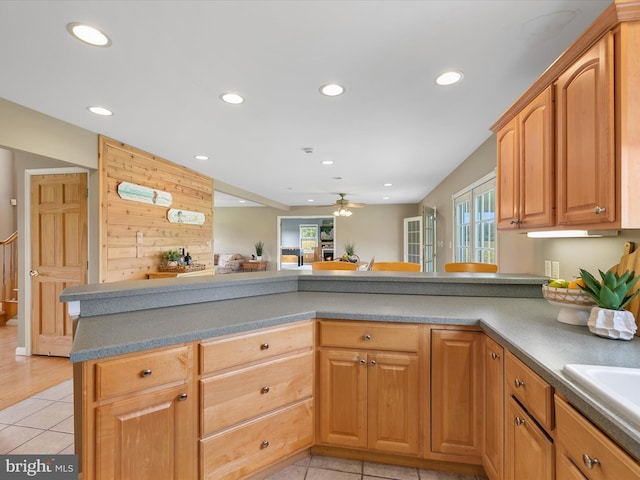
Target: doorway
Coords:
[[303, 240]]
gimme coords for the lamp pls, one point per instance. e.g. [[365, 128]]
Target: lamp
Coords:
[[342, 211]]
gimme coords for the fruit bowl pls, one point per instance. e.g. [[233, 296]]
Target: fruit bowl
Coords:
[[575, 305]]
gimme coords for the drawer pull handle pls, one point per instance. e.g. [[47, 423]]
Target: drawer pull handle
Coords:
[[265, 389], [373, 363], [362, 361], [146, 373], [367, 337], [265, 444], [515, 221], [264, 346], [590, 462], [520, 421], [518, 383], [495, 355], [182, 397], [598, 210]]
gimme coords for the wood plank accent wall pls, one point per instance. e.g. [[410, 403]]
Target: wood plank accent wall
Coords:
[[123, 256]]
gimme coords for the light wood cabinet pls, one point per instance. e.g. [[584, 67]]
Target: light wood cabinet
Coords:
[[584, 452], [493, 452], [139, 416], [529, 451], [526, 189], [456, 393], [369, 399], [529, 419], [256, 399], [586, 167]]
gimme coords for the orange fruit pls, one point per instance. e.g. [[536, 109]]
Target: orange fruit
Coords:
[[575, 284]]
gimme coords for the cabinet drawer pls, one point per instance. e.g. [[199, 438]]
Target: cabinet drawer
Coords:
[[237, 396], [253, 446], [218, 354], [379, 336], [581, 441], [135, 372], [534, 393]]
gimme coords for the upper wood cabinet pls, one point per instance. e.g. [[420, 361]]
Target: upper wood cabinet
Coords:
[[585, 139], [526, 167], [567, 148]]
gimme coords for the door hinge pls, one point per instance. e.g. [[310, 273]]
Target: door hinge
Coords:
[[86, 193]]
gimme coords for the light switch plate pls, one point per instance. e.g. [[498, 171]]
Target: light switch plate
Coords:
[[139, 237], [547, 268], [555, 269]]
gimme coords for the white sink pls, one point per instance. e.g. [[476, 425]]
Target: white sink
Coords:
[[616, 387]]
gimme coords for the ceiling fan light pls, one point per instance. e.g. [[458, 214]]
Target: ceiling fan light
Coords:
[[342, 212]]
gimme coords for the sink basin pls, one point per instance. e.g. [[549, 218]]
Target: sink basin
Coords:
[[616, 387]]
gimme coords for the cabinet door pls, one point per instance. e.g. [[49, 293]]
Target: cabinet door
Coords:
[[493, 453], [456, 392], [566, 470], [342, 408], [585, 139], [508, 184], [393, 398], [147, 437], [528, 451], [537, 179]]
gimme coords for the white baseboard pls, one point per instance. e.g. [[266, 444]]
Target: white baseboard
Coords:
[[13, 321], [22, 351]]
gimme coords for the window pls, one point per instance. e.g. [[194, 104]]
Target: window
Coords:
[[308, 237], [475, 224]]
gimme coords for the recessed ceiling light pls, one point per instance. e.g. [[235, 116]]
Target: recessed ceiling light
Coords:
[[332, 90], [388, 185], [88, 34], [100, 111], [385, 198], [242, 201], [232, 98], [327, 162], [311, 200], [449, 78], [201, 157]]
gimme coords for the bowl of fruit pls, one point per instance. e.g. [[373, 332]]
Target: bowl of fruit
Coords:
[[575, 305]]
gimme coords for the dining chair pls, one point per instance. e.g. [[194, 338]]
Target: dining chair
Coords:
[[333, 265], [396, 267], [471, 267]]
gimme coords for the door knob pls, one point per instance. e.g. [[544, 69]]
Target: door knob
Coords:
[[34, 273]]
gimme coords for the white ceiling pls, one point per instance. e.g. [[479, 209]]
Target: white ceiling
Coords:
[[170, 61]]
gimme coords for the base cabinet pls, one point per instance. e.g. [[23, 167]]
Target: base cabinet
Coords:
[[493, 453], [367, 398], [456, 393]]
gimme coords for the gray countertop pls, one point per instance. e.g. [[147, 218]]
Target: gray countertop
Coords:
[[526, 326]]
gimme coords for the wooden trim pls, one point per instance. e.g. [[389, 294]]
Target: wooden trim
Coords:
[[620, 11]]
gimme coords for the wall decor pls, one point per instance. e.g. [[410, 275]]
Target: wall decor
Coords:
[[142, 194], [175, 215]]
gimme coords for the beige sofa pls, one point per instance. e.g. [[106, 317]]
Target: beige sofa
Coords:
[[227, 262]]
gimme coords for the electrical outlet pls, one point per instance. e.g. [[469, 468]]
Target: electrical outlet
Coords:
[[555, 269], [547, 268], [139, 237]]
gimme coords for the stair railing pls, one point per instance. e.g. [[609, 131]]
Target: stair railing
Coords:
[[9, 251]]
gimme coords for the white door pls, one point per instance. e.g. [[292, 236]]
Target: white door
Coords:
[[429, 240], [413, 240]]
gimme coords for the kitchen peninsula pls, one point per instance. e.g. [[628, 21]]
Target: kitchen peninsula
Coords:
[[191, 337]]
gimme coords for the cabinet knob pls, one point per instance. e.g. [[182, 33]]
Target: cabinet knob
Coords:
[[518, 383], [598, 210], [367, 337], [373, 363], [264, 346], [362, 361], [495, 355], [520, 421], [182, 397], [590, 462], [265, 444], [265, 389], [146, 373]]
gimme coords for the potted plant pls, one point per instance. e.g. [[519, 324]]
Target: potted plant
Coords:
[[350, 253], [259, 249], [612, 294], [171, 257]]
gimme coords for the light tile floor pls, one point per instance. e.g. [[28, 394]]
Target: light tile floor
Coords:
[[44, 424], [40, 424]]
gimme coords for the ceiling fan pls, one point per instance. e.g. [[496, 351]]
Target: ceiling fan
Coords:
[[343, 205]]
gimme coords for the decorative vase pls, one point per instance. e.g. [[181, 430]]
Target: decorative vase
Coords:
[[172, 263], [616, 324], [259, 258]]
